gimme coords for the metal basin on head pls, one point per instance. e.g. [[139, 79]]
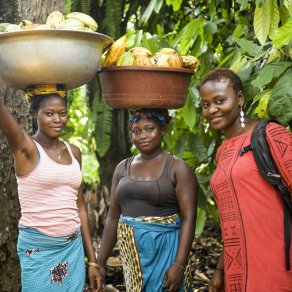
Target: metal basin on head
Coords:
[[50, 56]]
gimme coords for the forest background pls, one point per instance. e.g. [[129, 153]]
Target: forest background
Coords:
[[253, 38]]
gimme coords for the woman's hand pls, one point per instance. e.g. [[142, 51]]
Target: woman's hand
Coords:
[[217, 282], [173, 278], [96, 278]]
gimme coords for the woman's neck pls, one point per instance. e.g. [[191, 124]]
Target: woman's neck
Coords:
[[46, 141], [148, 156], [236, 129]]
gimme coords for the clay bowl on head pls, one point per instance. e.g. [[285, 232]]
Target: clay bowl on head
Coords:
[[144, 87], [50, 56]]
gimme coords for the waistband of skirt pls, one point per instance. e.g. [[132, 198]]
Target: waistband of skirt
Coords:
[[163, 223], [33, 235]]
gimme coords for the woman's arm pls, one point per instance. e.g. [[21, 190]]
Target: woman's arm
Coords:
[[186, 193], [217, 282], [109, 237], [93, 271], [21, 144]]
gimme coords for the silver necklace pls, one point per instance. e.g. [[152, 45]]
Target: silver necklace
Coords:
[[59, 156]]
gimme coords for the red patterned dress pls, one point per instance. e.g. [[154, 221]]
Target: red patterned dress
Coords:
[[251, 214]]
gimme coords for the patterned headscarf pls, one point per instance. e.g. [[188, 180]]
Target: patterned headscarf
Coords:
[[159, 115], [45, 89]]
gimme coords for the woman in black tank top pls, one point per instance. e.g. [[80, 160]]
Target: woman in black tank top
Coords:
[[152, 212]]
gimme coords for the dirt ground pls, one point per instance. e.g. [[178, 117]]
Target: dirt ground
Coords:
[[204, 254]]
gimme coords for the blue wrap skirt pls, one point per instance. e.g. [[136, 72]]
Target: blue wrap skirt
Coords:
[[148, 247], [51, 264]]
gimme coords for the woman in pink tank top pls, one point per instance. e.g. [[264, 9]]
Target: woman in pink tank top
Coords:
[[53, 226]]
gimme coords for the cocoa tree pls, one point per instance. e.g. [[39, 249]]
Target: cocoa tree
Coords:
[[14, 11]]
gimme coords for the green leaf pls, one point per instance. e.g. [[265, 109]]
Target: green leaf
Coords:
[[103, 122], [246, 70], [154, 43], [90, 168], [261, 21], [249, 47], [288, 5], [176, 4], [274, 18], [270, 72], [275, 54], [187, 36], [212, 208], [189, 113], [238, 64], [198, 147], [283, 12], [283, 35], [201, 221], [280, 103], [238, 32], [180, 146], [154, 5], [261, 109], [243, 4]]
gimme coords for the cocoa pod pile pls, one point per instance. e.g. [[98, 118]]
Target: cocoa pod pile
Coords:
[[56, 20], [117, 55]]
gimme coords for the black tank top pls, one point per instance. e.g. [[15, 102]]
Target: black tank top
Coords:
[[147, 198]]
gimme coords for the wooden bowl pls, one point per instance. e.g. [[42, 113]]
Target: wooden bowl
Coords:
[[144, 87]]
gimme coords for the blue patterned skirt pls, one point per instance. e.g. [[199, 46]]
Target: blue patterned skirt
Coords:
[[51, 264], [148, 247]]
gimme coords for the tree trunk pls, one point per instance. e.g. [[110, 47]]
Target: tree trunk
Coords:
[[14, 11]]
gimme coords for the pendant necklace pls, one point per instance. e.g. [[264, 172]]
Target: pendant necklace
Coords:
[[59, 156]]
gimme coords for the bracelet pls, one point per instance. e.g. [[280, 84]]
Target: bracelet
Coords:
[[98, 266], [183, 268]]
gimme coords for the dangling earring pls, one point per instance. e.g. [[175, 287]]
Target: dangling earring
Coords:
[[242, 123], [207, 127]]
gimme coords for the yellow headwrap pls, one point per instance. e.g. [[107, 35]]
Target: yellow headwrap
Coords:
[[42, 89]]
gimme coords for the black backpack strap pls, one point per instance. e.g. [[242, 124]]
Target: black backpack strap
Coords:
[[268, 170]]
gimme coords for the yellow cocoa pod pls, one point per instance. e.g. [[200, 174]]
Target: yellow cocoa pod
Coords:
[[126, 59], [24, 22], [13, 27], [142, 61], [3, 26], [140, 51], [31, 26], [190, 62], [72, 24], [115, 51], [160, 60], [54, 19], [175, 61], [42, 26], [167, 51], [173, 58], [87, 20]]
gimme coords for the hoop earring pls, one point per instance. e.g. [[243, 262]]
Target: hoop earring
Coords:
[[242, 123]]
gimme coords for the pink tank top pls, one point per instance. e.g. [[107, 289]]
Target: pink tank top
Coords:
[[48, 195]]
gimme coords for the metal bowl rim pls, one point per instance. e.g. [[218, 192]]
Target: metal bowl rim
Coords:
[[44, 32]]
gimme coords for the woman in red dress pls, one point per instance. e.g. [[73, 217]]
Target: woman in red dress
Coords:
[[251, 210]]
